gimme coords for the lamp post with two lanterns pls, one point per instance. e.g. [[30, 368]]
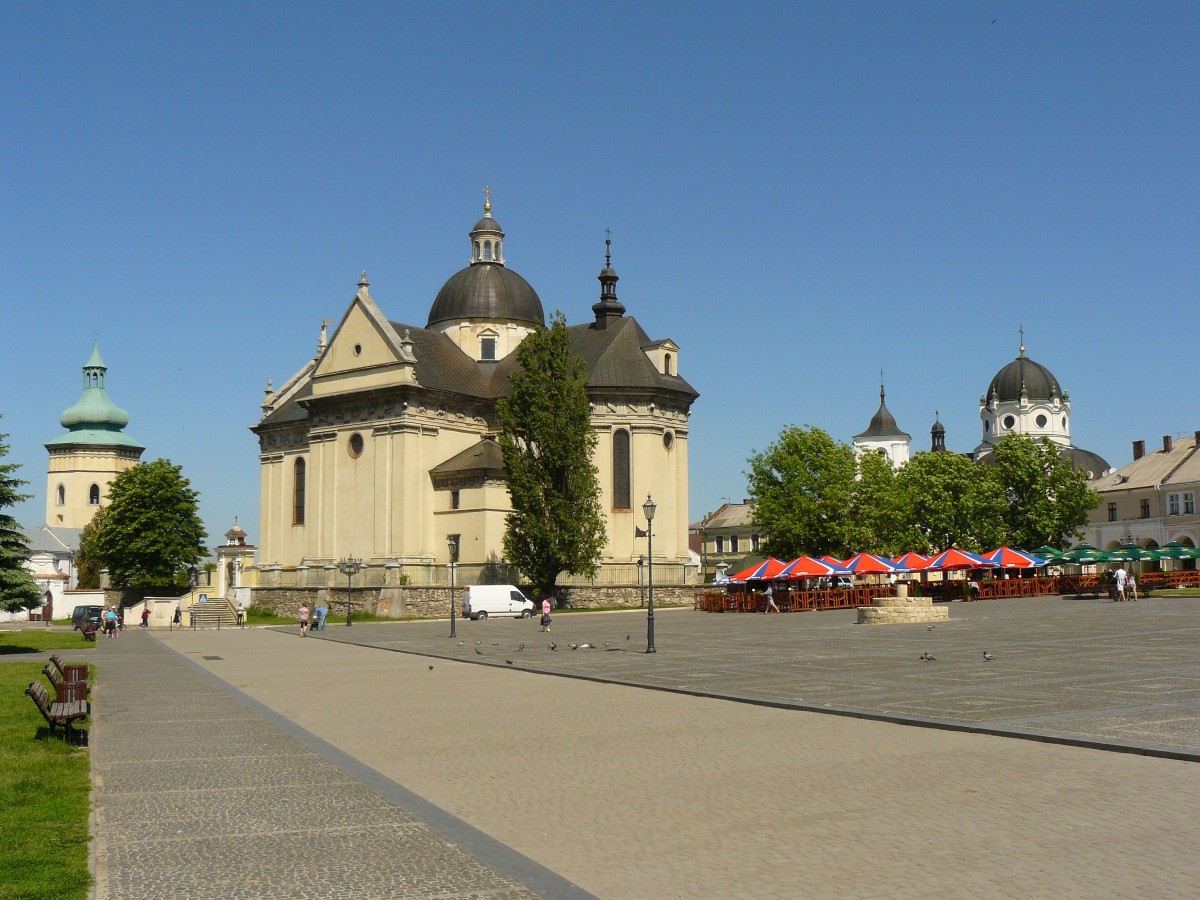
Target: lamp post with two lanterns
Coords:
[[648, 508], [349, 567]]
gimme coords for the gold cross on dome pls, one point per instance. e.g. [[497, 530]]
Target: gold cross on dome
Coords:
[[487, 204]]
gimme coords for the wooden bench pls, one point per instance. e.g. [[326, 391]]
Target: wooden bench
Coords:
[[71, 672], [67, 715], [66, 691]]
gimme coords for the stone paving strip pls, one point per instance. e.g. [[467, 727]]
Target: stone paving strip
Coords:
[[198, 793], [629, 792]]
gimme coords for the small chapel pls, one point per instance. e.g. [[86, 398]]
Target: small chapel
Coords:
[[383, 446]]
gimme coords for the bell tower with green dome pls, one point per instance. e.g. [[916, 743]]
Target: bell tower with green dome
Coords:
[[91, 454]]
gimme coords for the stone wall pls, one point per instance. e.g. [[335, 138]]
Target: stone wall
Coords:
[[430, 602]]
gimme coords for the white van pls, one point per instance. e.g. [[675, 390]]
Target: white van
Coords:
[[483, 600]]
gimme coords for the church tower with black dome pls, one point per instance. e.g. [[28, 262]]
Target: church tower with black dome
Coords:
[[1025, 398]]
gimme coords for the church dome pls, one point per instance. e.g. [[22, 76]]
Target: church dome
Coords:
[[94, 419], [1023, 372], [487, 291]]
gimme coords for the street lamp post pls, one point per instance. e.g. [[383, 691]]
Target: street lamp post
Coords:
[[349, 567], [453, 545], [648, 508]]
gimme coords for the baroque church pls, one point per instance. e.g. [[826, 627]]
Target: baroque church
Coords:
[[383, 446], [1024, 397]]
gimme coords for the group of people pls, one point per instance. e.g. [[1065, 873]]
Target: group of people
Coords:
[[1124, 585], [318, 619], [114, 623]]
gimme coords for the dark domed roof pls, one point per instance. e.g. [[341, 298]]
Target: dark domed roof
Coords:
[[883, 423], [1039, 383], [1091, 463], [487, 291], [487, 223]]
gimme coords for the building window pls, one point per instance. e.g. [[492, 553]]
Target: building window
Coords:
[[94, 495], [298, 492], [1009, 422], [733, 543], [1112, 512], [487, 348], [666, 363], [1145, 509], [719, 543], [487, 251], [355, 445], [454, 499], [668, 440], [754, 542], [62, 496], [1189, 504], [620, 462], [1172, 504], [1041, 421], [475, 252]]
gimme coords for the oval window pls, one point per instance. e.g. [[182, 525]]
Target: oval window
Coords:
[[358, 349], [356, 445], [1009, 421], [1041, 421], [668, 440]]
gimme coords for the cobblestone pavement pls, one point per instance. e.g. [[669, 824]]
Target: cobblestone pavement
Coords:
[[196, 794], [630, 792]]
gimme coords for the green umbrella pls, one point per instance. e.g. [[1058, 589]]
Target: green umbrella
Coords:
[[1176, 550], [1046, 551], [1086, 553]]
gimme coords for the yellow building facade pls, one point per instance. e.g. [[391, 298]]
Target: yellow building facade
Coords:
[[383, 445]]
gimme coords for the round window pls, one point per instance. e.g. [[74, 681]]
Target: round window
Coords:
[[1009, 421], [1041, 421], [356, 445], [358, 349], [668, 439]]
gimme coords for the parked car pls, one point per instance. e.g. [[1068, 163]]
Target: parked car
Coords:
[[86, 615], [842, 582], [483, 600]]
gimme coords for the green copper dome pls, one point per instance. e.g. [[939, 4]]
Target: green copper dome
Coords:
[[95, 419]]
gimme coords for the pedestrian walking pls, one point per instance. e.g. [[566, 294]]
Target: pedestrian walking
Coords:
[[145, 617], [110, 622], [1131, 586], [546, 613], [241, 612], [178, 617], [1121, 577], [303, 619], [770, 595]]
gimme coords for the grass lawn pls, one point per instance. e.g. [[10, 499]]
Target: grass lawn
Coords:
[[45, 785], [36, 640]]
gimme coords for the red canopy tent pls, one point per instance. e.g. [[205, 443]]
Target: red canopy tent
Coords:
[[807, 567], [867, 564], [1007, 558], [954, 559], [766, 570], [912, 560]]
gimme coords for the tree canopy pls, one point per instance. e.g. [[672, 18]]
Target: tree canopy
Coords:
[[1048, 498], [812, 496], [151, 532], [547, 440], [802, 487], [18, 590]]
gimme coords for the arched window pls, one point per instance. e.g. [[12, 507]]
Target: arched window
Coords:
[[667, 364], [62, 495], [475, 254], [94, 495], [620, 463], [487, 251], [298, 493]]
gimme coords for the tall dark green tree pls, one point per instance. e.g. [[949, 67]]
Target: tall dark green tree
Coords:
[[1048, 498], [879, 519], [87, 560], [18, 590], [548, 442], [952, 502], [802, 487], [151, 531]]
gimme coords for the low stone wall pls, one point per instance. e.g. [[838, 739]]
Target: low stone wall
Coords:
[[419, 601]]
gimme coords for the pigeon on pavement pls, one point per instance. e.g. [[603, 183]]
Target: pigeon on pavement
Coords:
[[509, 661], [480, 652], [925, 657], [987, 657], [553, 646]]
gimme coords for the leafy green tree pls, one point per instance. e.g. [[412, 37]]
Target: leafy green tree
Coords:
[[1049, 499], [18, 590], [880, 519], [151, 531], [952, 502], [802, 487], [87, 560], [547, 439]]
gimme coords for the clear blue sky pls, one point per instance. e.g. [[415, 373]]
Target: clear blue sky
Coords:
[[800, 195]]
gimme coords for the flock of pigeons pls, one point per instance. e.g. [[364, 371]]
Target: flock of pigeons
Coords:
[[552, 646]]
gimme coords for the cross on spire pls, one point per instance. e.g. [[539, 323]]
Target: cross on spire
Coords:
[[487, 203], [1022, 331]]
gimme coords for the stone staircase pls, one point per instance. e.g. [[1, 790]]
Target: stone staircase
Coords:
[[216, 613]]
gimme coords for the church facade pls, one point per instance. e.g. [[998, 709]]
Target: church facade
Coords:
[[383, 445]]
